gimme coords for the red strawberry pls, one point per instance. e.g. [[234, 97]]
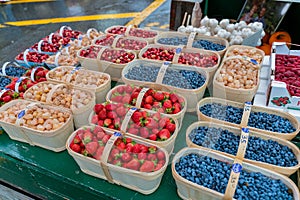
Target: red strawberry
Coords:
[[105, 139], [158, 167], [157, 104], [156, 116], [151, 123], [126, 157], [134, 95], [99, 153], [173, 97], [171, 127], [160, 155], [142, 156], [161, 162], [163, 121], [87, 137], [91, 147], [176, 110], [95, 119], [107, 122], [149, 100], [126, 99], [100, 135], [6, 99], [167, 104], [133, 131], [147, 106], [98, 108], [75, 147], [117, 162], [120, 89], [77, 139], [121, 146], [136, 148], [164, 134], [129, 147], [112, 126], [152, 157], [152, 149], [100, 122], [158, 96], [117, 123], [112, 114], [133, 164], [128, 140], [143, 149], [97, 129], [121, 111], [115, 153], [110, 106], [137, 117], [128, 89], [147, 166], [116, 98], [144, 132], [152, 137], [102, 114]]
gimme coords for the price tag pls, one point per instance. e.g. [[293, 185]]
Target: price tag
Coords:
[[140, 97], [178, 51], [191, 39], [243, 143], [246, 113], [22, 113], [127, 118], [233, 179], [161, 72]]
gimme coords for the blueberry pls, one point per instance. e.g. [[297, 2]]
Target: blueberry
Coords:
[[4, 81], [14, 71]]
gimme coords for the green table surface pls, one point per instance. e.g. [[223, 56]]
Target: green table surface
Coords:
[[51, 175]]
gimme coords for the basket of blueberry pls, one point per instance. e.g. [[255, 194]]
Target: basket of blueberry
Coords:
[[189, 82], [203, 173], [205, 42], [262, 150], [263, 120], [12, 69]]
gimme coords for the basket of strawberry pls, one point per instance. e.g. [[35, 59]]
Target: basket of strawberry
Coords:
[[6, 95], [37, 74], [119, 159], [146, 125], [31, 58], [169, 103], [21, 84]]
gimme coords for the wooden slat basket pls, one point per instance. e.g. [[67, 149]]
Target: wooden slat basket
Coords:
[[189, 190], [286, 136], [237, 131]]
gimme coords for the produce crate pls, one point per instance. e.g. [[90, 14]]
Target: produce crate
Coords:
[[148, 35], [207, 60], [237, 132], [150, 126], [139, 179], [227, 86], [287, 136], [189, 190], [141, 101], [80, 77], [22, 59], [191, 38], [53, 140], [62, 95], [191, 93]]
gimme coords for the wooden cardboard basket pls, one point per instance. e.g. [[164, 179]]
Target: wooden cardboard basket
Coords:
[[192, 95], [143, 182], [100, 91], [189, 190], [52, 140], [290, 117], [237, 131]]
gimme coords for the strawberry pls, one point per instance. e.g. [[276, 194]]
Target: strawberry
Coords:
[[121, 146], [105, 139], [98, 108], [115, 153], [161, 162], [87, 137], [121, 111], [144, 132], [112, 114], [171, 127], [152, 149], [147, 106], [157, 104], [152, 137], [128, 140], [160, 155], [116, 98], [95, 119], [134, 95], [99, 153], [100, 135], [143, 149], [126, 99], [156, 116], [142, 156], [126, 157], [163, 121], [167, 104], [110, 106], [128, 89], [137, 117], [102, 114], [112, 126], [151, 123], [120, 89], [107, 122], [176, 110], [97, 129], [133, 131], [158, 96], [152, 157], [77, 139], [149, 100], [117, 123], [75, 147], [91, 147], [80, 133], [164, 134], [133, 164], [158, 167], [117, 162], [173, 97], [144, 114], [129, 147], [136, 148], [147, 166], [6, 99], [100, 122]]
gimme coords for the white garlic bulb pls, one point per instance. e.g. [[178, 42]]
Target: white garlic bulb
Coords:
[[230, 27], [205, 21], [215, 30], [223, 23], [213, 23]]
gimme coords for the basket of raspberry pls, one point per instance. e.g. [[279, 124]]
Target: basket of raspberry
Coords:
[[207, 174], [237, 79], [193, 40], [30, 59], [168, 103], [79, 101], [262, 119], [149, 126], [121, 42], [105, 59], [207, 60], [262, 150], [97, 82], [119, 159], [148, 35], [189, 82], [37, 124]]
